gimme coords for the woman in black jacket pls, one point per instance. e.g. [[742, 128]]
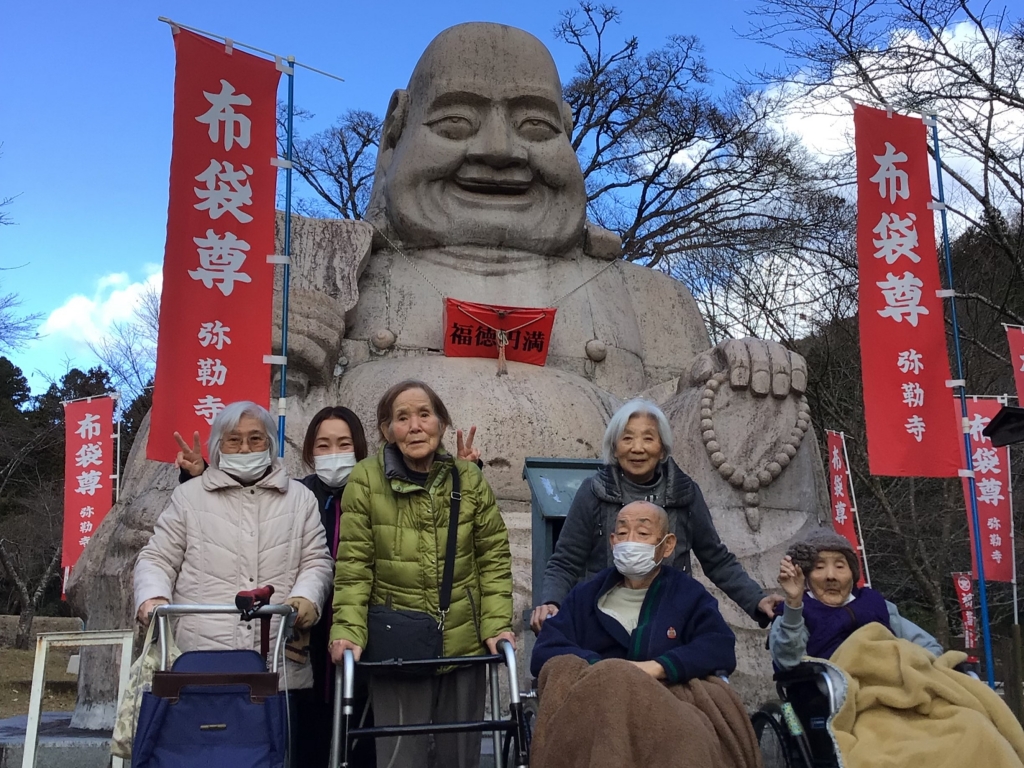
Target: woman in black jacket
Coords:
[[636, 451]]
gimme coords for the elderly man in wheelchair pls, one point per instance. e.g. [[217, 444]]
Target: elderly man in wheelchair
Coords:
[[877, 690], [639, 649]]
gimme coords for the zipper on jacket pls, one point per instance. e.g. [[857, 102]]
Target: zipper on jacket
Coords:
[[477, 619]]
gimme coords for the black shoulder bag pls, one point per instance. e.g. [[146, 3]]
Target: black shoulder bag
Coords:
[[414, 635]]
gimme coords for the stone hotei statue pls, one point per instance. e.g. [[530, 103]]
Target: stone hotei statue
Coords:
[[479, 196]]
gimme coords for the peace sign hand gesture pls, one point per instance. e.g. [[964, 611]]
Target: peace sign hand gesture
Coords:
[[466, 451], [190, 458]]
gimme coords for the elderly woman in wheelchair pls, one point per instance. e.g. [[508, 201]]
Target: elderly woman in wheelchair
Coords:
[[878, 689], [640, 648], [823, 605]]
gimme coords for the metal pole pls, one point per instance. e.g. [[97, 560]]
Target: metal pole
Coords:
[[975, 523], [856, 514], [173, 24], [282, 401], [117, 468]]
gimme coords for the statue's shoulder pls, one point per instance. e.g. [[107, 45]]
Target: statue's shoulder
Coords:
[[662, 303], [647, 277]]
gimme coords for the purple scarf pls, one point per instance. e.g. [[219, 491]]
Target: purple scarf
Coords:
[[828, 627]]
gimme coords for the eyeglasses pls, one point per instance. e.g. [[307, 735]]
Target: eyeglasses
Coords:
[[256, 442]]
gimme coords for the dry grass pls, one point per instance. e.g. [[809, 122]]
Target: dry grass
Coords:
[[16, 681]]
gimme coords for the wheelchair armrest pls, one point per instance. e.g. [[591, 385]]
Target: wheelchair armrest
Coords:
[[806, 672]]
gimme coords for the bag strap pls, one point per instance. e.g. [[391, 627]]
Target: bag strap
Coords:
[[449, 556]]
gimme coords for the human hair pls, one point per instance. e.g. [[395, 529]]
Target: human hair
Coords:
[[342, 414], [636, 407], [387, 404], [228, 419]]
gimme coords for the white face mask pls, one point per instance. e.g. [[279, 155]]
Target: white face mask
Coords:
[[334, 468], [247, 467], [634, 559]]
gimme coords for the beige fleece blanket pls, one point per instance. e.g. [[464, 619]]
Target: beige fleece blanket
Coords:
[[906, 709], [612, 715]]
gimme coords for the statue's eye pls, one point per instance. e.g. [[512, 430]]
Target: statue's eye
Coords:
[[537, 129], [453, 127]]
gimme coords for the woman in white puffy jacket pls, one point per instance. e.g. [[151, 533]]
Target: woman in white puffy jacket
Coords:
[[243, 523]]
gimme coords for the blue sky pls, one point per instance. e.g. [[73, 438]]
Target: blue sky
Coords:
[[85, 122]]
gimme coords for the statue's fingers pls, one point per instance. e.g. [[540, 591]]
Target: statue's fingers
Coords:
[[798, 380], [737, 360], [760, 367], [703, 368], [778, 357]]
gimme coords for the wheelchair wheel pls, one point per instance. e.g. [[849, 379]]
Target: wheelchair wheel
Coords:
[[772, 739]]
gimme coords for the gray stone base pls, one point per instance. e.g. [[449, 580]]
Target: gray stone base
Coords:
[[60, 745]]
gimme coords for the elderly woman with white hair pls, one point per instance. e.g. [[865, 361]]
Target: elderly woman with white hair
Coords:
[[243, 523], [638, 467]]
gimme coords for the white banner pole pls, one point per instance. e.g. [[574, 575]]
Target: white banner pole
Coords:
[[856, 514]]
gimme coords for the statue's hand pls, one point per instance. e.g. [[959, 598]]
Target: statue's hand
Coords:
[[765, 367], [316, 326]]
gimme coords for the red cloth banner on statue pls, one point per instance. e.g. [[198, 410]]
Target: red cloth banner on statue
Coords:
[[910, 430], [482, 330], [1015, 338], [963, 583], [991, 489], [216, 308], [843, 508], [88, 472]]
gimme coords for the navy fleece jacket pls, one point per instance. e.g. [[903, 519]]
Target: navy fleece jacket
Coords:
[[680, 627]]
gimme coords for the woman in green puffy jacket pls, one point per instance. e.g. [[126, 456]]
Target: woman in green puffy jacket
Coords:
[[391, 551]]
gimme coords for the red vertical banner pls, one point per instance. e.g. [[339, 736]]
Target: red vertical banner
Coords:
[[1015, 338], [964, 586], [88, 472], [217, 304], [991, 489], [910, 430], [843, 509]]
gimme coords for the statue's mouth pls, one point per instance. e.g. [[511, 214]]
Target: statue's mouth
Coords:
[[494, 187]]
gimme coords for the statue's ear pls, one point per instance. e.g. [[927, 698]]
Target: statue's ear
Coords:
[[391, 132], [394, 120], [567, 119]]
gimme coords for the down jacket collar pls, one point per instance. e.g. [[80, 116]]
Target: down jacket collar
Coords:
[[396, 469], [277, 479], [678, 485]]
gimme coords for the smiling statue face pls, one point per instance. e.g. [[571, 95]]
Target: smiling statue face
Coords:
[[483, 157]]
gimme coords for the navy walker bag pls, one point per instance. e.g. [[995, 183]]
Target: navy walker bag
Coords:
[[214, 708]]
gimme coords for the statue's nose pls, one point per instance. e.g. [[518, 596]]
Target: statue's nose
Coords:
[[496, 143]]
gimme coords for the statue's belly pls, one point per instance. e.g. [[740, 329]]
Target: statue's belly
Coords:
[[532, 411]]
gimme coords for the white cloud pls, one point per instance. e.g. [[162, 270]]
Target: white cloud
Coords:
[[67, 332], [84, 320], [823, 120]]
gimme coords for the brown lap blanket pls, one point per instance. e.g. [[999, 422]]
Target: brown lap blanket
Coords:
[[904, 709], [612, 715]]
